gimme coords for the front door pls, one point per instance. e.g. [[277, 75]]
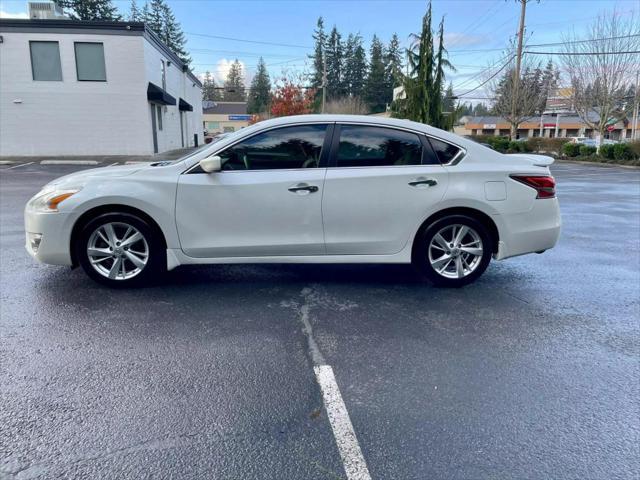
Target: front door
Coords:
[[266, 201], [154, 128], [379, 185]]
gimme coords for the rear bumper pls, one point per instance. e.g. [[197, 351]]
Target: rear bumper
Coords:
[[55, 229], [528, 232]]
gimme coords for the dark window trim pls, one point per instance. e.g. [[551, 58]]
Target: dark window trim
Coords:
[[324, 154], [104, 58], [333, 163], [33, 73]]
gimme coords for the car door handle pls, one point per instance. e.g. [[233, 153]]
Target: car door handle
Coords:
[[429, 182], [303, 187]]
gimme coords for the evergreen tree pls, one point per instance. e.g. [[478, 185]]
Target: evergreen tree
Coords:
[[393, 67], [209, 88], [335, 63], [423, 86], [173, 35], [260, 90], [355, 66], [135, 14], [234, 84], [375, 85], [159, 17], [320, 40], [548, 84], [90, 9]]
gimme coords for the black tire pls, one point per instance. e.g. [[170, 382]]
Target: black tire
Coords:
[[155, 263], [422, 262]]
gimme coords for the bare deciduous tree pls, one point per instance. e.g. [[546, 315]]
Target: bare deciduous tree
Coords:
[[601, 66], [513, 104], [347, 105]]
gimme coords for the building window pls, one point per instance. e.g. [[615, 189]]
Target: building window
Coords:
[[45, 61], [228, 129], [159, 115], [90, 62], [213, 125], [163, 71]]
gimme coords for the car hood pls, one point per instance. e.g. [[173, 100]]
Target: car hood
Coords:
[[81, 177], [531, 159]]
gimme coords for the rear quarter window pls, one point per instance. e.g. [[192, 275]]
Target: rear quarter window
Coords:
[[446, 152]]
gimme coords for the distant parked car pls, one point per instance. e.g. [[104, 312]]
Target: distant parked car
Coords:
[[303, 189]]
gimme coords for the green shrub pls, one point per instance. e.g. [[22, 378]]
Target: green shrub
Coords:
[[553, 145], [501, 144], [571, 149], [635, 148], [586, 150], [622, 151], [534, 144], [606, 151]]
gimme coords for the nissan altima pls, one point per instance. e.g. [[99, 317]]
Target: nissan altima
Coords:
[[310, 188]]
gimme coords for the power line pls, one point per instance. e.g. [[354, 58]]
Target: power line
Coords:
[[490, 78], [244, 40], [583, 41], [570, 54]]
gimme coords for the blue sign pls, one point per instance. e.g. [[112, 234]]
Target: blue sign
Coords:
[[240, 117]]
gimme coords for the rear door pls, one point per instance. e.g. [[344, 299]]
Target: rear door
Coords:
[[380, 183]]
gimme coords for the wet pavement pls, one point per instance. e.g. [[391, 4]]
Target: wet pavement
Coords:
[[532, 372]]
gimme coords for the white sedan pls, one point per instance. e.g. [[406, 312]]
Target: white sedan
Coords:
[[304, 189]]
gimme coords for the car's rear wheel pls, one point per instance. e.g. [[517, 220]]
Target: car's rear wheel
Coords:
[[453, 251], [120, 250]]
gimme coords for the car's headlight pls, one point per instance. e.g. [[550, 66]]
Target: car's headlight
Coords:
[[48, 200]]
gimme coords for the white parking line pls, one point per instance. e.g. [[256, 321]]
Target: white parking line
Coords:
[[354, 465], [69, 162], [18, 166]]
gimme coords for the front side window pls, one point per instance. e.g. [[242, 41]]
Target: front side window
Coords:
[[445, 151], [283, 148], [90, 62], [163, 72], [45, 61], [159, 112], [364, 146]]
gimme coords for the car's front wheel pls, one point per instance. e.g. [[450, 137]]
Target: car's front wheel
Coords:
[[119, 250], [453, 251]]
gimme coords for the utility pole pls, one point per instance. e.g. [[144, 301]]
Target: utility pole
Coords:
[[516, 75], [636, 109], [324, 81]]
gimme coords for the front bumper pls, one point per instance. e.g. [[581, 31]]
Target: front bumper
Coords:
[[528, 232], [55, 229]]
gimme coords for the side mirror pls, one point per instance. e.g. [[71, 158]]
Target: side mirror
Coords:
[[211, 164]]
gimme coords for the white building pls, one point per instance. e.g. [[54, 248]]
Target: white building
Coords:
[[93, 88]]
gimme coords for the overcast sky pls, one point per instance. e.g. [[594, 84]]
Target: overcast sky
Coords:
[[469, 25]]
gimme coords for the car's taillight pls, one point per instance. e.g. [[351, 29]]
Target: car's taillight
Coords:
[[544, 185]]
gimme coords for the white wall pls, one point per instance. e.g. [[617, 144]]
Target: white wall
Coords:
[[178, 85], [90, 118], [72, 117]]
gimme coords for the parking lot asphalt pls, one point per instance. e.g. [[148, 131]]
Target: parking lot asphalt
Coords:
[[532, 372]]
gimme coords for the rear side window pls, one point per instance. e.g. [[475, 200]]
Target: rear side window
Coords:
[[445, 151], [363, 146]]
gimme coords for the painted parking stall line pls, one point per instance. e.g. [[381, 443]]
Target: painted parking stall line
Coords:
[[18, 166], [352, 460]]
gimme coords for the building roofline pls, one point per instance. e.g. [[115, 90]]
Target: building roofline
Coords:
[[97, 27]]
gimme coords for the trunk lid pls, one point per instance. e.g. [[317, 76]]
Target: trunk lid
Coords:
[[533, 159]]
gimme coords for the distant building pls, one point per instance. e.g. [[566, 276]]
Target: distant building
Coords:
[[222, 117], [546, 126], [93, 88]]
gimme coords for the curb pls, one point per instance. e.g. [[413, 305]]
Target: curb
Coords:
[[599, 164], [69, 162]]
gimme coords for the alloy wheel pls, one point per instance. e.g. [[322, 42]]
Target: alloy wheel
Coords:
[[455, 251], [117, 250]]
